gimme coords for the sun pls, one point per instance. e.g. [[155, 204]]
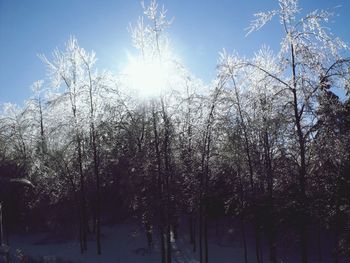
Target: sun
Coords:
[[147, 77]]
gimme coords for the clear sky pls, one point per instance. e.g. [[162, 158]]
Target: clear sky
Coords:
[[201, 29]]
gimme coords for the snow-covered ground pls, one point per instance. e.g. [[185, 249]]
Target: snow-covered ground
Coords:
[[126, 243], [120, 243]]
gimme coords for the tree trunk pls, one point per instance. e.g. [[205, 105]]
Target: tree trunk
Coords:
[[200, 238], [194, 234], [302, 170], [190, 229], [204, 179], [244, 240], [241, 197], [270, 218], [77, 205], [149, 235], [1, 226], [93, 137], [206, 238], [162, 240], [168, 243], [319, 243], [159, 188], [83, 214], [82, 196], [257, 242]]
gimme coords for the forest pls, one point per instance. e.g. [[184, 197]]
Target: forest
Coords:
[[256, 161]]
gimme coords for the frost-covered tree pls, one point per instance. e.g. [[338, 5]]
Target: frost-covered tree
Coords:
[[70, 73], [310, 57]]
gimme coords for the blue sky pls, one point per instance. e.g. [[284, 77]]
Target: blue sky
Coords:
[[201, 29]]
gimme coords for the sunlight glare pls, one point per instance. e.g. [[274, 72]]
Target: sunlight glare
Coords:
[[147, 77]]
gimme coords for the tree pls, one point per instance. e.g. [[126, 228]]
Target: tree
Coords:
[[69, 68], [249, 97]]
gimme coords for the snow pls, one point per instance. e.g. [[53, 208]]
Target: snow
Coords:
[[121, 243], [126, 243], [118, 245]]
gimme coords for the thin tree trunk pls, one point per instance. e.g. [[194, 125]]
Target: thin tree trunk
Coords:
[[175, 226], [78, 208], [200, 238], [94, 219], [162, 240], [204, 179], [98, 193], [149, 235], [251, 172], [241, 193], [1, 226], [190, 228], [271, 218], [93, 136], [3, 257], [81, 173], [159, 187], [82, 196], [42, 134], [336, 241], [168, 177], [302, 170], [194, 234], [168, 243], [257, 242], [272, 240], [245, 134], [244, 240], [319, 243], [206, 238], [72, 96]]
